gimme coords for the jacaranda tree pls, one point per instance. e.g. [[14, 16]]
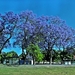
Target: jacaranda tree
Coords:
[[55, 35], [28, 30], [25, 29], [8, 23], [45, 31]]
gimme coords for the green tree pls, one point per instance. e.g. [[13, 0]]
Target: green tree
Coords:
[[35, 51], [2, 56], [11, 54]]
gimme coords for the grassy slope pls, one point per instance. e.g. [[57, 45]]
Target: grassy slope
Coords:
[[28, 70]]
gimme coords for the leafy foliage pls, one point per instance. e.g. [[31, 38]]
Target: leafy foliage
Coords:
[[11, 54], [35, 51]]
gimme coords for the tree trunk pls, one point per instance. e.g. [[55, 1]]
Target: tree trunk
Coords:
[[50, 57], [33, 60], [50, 53], [22, 51], [0, 51]]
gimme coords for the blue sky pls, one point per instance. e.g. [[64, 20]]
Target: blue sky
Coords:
[[65, 9]]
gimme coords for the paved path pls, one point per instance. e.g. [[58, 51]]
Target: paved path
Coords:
[[1, 65]]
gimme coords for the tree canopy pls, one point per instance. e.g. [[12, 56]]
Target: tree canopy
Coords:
[[48, 32]]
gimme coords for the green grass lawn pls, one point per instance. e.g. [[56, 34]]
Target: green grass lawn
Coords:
[[36, 70]]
